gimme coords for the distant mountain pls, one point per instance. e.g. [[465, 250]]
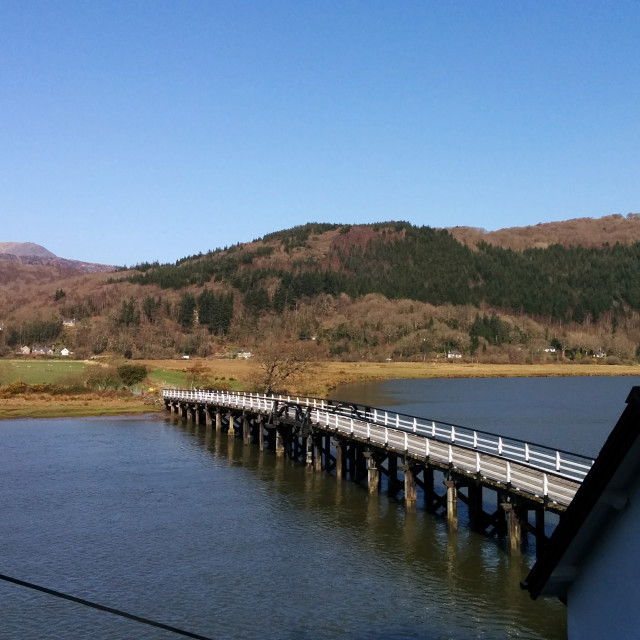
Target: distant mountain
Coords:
[[35, 254], [24, 249]]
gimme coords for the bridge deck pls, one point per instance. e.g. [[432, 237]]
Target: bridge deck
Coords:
[[537, 472]]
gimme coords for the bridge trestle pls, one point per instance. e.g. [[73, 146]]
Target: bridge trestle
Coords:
[[288, 431]]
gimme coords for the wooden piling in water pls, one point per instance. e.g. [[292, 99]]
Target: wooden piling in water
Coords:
[[514, 529], [452, 505], [410, 490], [246, 429], [373, 473]]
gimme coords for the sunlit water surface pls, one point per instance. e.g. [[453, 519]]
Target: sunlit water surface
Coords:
[[158, 518]]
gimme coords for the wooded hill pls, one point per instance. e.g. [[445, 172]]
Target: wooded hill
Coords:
[[386, 290]]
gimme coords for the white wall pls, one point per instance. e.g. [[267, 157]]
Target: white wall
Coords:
[[604, 602]]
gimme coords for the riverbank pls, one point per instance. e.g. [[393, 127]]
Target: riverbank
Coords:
[[318, 380], [45, 405]]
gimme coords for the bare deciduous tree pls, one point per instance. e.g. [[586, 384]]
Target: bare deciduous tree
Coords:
[[281, 362]]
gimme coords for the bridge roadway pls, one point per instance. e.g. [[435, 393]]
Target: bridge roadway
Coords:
[[360, 439]]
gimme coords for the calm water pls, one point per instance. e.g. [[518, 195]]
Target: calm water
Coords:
[[152, 516], [575, 414]]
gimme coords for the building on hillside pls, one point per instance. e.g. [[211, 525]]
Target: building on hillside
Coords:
[[69, 322], [64, 352], [453, 355], [42, 351], [591, 561], [245, 355], [25, 351]]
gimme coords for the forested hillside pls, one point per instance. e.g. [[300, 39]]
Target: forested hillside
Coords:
[[387, 290], [400, 261]]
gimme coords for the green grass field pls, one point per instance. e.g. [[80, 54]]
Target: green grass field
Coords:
[[167, 378], [62, 371], [39, 371]]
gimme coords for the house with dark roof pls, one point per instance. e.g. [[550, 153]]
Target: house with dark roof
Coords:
[[592, 560]]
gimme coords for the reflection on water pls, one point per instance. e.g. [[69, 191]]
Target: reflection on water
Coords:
[[161, 518]]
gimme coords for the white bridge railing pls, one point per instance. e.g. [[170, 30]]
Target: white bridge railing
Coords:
[[535, 469]]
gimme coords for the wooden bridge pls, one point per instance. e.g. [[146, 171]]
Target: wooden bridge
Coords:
[[402, 453]]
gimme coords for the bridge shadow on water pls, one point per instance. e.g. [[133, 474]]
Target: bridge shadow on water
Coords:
[[445, 584]]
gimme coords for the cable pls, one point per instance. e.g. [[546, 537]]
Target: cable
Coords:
[[100, 607]]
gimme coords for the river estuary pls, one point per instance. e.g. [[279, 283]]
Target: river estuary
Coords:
[[154, 516]]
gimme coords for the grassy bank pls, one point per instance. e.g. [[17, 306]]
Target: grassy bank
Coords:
[[321, 377], [318, 380], [43, 405]]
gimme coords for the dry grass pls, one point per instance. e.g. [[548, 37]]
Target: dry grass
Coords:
[[321, 377], [59, 406], [318, 381]]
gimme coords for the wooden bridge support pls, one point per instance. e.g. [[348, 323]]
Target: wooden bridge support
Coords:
[[279, 444], [317, 452], [428, 489], [321, 448], [392, 479], [373, 473], [309, 452], [474, 504], [360, 464], [514, 529], [452, 505], [540, 534], [246, 429], [410, 491], [341, 457]]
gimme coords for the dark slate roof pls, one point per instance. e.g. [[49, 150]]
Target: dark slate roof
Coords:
[[602, 493]]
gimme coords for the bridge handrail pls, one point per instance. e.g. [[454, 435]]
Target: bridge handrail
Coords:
[[555, 461]]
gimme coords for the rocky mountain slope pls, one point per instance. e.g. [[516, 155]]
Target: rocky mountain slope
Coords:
[[29, 253]]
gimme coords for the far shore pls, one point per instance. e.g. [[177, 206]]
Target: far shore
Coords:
[[319, 380]]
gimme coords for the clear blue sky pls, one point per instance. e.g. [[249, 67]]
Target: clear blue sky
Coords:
[[149, 130]]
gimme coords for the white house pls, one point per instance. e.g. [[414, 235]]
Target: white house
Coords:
[[454, 355], [65, 352], [245, 355], [591, 561]]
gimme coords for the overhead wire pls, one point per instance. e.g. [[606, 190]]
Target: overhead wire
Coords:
[[101, 607]]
